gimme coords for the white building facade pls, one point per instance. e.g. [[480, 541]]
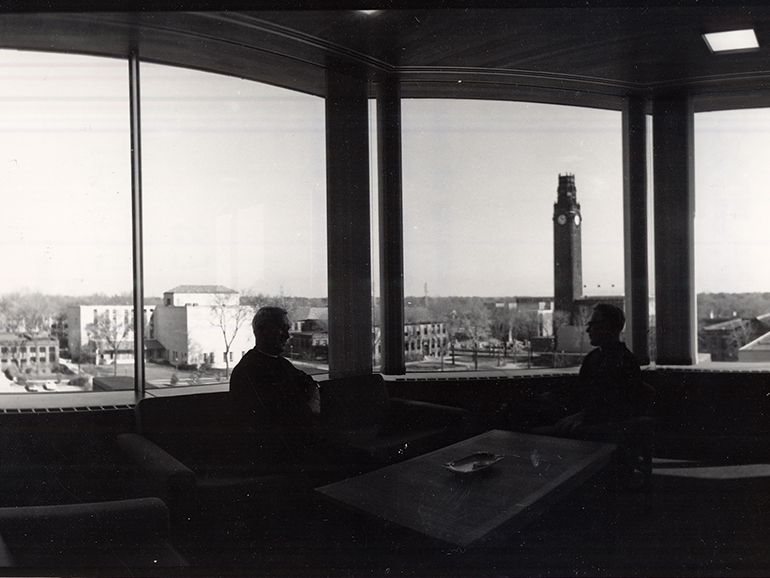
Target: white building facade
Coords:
[[104, 331], [203, 325]]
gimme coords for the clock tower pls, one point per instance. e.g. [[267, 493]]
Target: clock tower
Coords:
[[567, 256]]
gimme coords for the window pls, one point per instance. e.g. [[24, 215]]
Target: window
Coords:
[[731, 234], [480, 181], [207, 136], [64, 123]]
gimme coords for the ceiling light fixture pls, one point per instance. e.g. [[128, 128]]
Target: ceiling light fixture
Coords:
[[731, 40]]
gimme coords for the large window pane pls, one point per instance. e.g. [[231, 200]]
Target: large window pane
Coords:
[[66, 235], [480, 183], [731, 234], [235, 218]]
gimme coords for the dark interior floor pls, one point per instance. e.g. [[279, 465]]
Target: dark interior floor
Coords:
[[695, 519]]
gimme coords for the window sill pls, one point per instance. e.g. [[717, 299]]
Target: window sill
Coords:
[[90, 401]]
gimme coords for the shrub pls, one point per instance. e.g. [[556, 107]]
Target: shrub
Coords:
[[81, 381]]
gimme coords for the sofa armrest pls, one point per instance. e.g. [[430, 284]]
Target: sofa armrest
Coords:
[[406, 414], [124, 534], [164, 475]]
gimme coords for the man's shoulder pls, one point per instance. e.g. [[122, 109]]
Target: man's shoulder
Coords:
[[251, 356], [254, 360], [617, 354], [628, 354]]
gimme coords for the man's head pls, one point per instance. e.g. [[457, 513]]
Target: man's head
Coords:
[[605, 325], [271, 329]]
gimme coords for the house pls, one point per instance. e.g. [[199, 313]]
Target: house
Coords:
[[736, 339], [28, 351], [202, 325]]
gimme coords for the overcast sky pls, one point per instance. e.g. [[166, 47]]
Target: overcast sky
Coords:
[[234, 187]]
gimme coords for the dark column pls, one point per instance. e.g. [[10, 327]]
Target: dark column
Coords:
[[674, 230], [348, 225], [635, 227], [391, 227]]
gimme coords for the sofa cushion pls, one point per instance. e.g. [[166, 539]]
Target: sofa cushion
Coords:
[[202, 430]]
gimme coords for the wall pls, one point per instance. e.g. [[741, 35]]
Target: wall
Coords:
[[171, 330]]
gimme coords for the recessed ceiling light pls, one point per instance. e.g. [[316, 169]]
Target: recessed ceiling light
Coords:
[[731, 40], [368, 12]]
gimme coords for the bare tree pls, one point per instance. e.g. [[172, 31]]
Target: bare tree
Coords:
[[475, 322], [111, 330], [582, 316], [229, 315], [523, 326], [444, 317]]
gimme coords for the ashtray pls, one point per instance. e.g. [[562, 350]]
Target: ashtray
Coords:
[[474, 462]]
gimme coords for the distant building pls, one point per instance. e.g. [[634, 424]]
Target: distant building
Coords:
[[757, 350], [194, 323], [421, 340], [309, 334], [27, 350], [200, 295], [310, 337], [542, 307], [736, 339], [105, 332]]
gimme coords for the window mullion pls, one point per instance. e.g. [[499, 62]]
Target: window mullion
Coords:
[[136, 204]]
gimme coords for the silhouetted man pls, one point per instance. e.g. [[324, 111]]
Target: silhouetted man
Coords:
[[279, 402], [608, 376]]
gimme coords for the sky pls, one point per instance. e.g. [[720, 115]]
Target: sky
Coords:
[[233, 180]]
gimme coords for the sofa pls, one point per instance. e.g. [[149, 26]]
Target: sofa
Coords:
[[130, 536], [377, 430], [195, 453]]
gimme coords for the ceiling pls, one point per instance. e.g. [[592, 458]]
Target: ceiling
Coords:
[[592, 56]]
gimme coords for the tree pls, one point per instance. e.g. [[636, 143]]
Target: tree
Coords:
[[443, 311], [291, 304], [111, 330], [229, 316], [560, 318], [500, 326], [582, 317], [523, 325], [475, 322]]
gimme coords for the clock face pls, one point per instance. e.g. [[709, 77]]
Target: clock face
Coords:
[[577, 219], [561, 219]]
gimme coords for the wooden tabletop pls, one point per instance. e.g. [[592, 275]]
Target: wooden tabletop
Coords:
[[458, 508]]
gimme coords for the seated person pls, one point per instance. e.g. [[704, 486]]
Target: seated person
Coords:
[[277, 400], [608, 377]]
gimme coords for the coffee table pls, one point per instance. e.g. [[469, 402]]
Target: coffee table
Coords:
[[461, 508]]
